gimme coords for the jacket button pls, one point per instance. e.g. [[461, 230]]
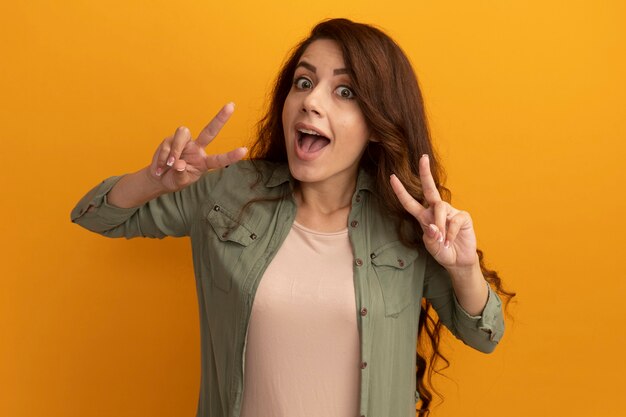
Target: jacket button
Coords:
[[372, 255], [363, 365], [358, 198], [224, 235], [364, 312], [400, 262], [358, 262], [354, 223], [252, 236], [216, 207]]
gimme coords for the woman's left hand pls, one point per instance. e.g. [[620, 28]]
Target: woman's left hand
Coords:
[[448, 233]]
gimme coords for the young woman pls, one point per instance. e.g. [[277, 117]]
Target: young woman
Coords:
[[317, 259]]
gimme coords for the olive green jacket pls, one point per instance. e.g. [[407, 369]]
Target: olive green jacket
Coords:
[[231, 250]]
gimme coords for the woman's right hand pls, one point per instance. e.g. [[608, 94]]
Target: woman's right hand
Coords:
[[180, 161]]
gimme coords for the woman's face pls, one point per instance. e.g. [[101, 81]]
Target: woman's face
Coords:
[[325, 131]]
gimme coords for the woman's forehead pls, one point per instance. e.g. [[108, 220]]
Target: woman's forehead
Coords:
[[323, 49], [323, 54]]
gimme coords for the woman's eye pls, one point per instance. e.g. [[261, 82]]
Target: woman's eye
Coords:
[[303, 83], [345, 92]]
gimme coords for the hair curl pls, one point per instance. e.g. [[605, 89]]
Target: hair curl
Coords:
[[389, 96]]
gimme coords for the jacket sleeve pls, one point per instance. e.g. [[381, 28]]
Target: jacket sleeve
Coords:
[[167, 215], [481, 332]]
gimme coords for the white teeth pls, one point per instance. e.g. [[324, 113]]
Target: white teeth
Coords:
[[309, 132]]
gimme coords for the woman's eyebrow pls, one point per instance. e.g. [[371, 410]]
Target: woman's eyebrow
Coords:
[[307, 66], [313, 69]]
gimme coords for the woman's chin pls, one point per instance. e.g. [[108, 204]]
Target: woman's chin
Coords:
[[305, 174]]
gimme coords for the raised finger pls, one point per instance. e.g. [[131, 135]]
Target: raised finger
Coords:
[[181, 137], [409, 203], [223, 159], [213, 128], [429, 188]]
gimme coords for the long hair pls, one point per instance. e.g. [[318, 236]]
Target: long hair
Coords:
[[389, 96]]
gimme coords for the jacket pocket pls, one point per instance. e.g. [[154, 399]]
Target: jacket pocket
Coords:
[[226, 241], [393, 264]]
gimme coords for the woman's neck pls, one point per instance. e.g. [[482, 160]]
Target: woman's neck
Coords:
[[324, 207]]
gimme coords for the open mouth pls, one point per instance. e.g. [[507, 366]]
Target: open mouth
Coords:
[[311, 141]]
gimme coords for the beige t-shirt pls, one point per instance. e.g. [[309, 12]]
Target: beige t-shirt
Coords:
[[312, 369]]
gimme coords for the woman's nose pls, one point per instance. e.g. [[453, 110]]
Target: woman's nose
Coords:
[[313, 102]]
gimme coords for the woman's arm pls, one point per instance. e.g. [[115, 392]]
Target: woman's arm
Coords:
[[136, 189], [178, 162], [455, 284], [480, 329], [470, 287], [448, 235], [155, 201]]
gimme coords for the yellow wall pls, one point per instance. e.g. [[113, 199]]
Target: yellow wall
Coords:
[[526, 101]]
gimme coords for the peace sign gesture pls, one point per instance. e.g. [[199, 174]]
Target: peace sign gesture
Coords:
[[448, 233], [180, 161]]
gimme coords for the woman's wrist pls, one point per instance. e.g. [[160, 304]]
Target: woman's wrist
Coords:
[[465, 273], [135, 189], [470, 287]]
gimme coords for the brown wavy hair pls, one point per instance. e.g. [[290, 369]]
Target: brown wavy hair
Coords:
[[389, 96]]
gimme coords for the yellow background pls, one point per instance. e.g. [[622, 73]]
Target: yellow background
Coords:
[[526, 101]]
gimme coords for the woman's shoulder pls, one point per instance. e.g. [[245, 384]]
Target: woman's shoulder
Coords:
[[253, 178], [256, 171]]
